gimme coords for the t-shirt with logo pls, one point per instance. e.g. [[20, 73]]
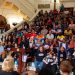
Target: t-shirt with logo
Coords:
[[40, 55]]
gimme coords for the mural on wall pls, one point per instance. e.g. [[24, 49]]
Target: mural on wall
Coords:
[[42, 6]]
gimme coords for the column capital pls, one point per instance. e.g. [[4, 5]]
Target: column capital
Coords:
[[54, 0]]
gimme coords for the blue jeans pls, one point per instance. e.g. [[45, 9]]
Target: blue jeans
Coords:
[[71, 50], [38, 64], [1, 60]]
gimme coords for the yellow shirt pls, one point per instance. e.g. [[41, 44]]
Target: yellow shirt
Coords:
[[61, 37], [68, 32]]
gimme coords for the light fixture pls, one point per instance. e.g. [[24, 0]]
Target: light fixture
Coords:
[[14, 19]]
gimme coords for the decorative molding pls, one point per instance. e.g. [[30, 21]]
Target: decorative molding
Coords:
[[67, 0]]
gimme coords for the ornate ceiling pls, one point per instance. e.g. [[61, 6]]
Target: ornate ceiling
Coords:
[[7, 4]]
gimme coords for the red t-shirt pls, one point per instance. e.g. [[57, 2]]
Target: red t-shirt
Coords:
[[28, 35], [19, 40], [33, 34], [49, 22], [72, 44]]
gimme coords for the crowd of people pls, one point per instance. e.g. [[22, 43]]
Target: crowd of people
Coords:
[[48, 41]]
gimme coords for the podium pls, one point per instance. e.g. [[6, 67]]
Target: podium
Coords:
[[20, 51]]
